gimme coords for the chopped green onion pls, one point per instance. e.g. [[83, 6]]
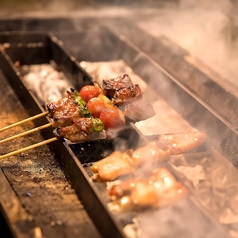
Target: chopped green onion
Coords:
[[98, 125]]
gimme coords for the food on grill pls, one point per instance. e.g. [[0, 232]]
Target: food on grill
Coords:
[[118, 163], [160, 189], [64, 110], [128, 98], [75, 115], [178, 143], [89, 91], [137, 110], [72, 118], [112, 166], [112, 118], [95, 106], [81, 129], [121, 89]]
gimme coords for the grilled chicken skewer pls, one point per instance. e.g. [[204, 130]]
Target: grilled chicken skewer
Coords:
[[118, 164], [160, 189]]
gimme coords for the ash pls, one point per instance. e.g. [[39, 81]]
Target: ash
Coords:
[[45, 81]]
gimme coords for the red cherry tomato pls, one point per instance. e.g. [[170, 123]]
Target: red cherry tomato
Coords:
[[89, 91], [111, 118], [95, 106]]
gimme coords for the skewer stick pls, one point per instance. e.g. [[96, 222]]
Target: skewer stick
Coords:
[[26, 132], [28, 148], [23, 121]]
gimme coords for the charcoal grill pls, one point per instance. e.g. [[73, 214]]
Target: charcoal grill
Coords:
[[67, 49]]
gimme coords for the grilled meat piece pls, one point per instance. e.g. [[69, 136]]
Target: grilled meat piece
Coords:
[[113, 166], [179, 143], [121, 89], [114, 84], [149, 152], [160, 189], [80, 131], [64, 110], [154, 151], [128, 98], [118, 163], [125, 95], [137, 110]]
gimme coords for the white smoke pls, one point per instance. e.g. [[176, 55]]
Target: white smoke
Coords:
[[206, 29]]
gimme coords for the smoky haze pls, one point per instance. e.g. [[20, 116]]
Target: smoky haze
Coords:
[[207, 29]]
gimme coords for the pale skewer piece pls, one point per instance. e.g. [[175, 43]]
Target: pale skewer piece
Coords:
[[26, 132], [23, 121], [28, 148]]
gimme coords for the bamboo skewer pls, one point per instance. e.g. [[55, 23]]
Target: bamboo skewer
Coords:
[[23, 121], [26, 132], [28, 148]]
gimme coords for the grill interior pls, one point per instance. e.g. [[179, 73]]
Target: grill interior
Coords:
[[68, 49]]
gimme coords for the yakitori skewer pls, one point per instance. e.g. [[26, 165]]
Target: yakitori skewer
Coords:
[[80, 115], [26, 132], [24, 121], [28, 148]]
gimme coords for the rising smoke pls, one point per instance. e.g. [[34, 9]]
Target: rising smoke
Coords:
[[207, 29]]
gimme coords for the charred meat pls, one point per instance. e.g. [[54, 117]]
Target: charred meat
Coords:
[[125, 95], [128, 97], [112, 85], [154, 151], [160, 189], [79, 114], [80, 131], [121, 89], [64, 110]]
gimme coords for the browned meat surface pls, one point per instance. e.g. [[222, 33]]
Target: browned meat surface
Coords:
[[63, 111], [118, 163], [137, 110], [113, 166], [125, 95], [114, 84], [160, 189], [178, 143], [80, 131], [128, 97], [149, 152], [121, 89]]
